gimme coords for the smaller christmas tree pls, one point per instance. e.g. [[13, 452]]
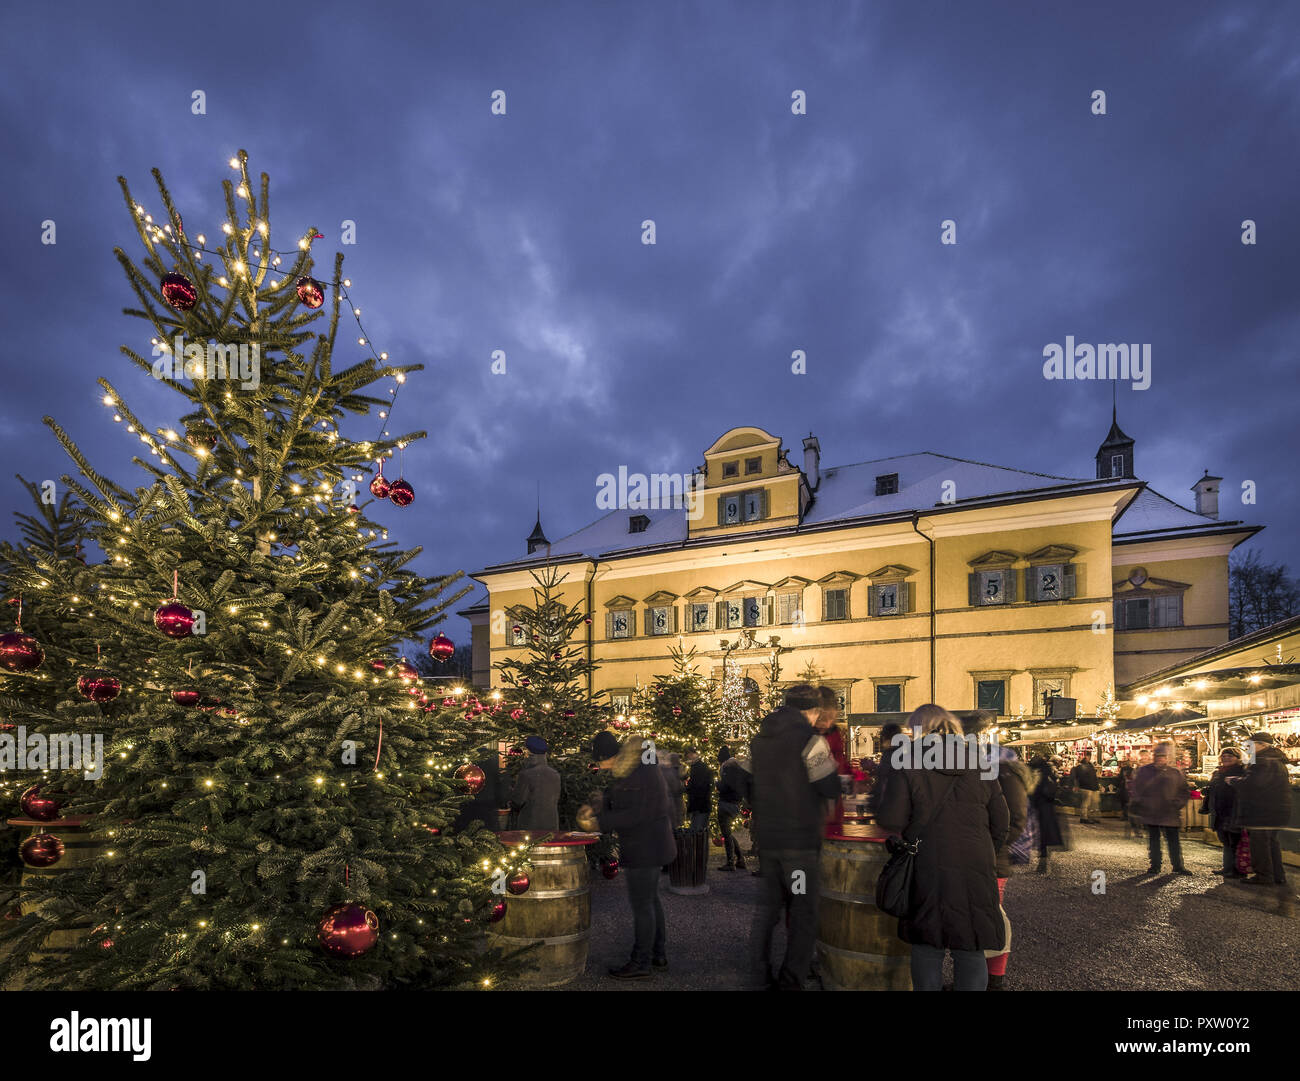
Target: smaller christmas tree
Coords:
[[680, 710], [547, 690]]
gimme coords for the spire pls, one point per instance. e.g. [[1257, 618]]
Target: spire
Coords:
[[1115, 455], [537, 538]]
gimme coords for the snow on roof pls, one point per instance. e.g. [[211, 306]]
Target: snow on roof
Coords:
[[1151, 512]]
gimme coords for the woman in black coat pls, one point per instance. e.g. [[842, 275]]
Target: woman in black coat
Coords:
[[1220, 802], [961, 820], [1042, 802]]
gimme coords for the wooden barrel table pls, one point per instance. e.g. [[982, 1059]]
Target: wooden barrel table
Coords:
[[689, 871], [858, 944], [553, 914], [79, 847]]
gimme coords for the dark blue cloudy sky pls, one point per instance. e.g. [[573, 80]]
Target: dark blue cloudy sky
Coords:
[[775, 232]]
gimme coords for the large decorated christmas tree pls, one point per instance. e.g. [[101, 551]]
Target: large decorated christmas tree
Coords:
[[277, 788]]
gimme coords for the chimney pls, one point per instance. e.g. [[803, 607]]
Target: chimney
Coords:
[[812, 456], [1207, 495]]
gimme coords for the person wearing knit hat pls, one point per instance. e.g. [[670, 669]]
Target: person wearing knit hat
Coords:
[[535, 797], [1263, 808]]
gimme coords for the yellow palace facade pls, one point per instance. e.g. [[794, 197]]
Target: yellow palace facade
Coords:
[[903, 580]]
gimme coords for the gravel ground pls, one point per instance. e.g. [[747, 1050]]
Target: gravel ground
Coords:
[[1163, 933]]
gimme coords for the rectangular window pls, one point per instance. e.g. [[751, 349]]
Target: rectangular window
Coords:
[[518, 634], [992, 587], [729, 510], [789, 607], [755, 505], [888, 598], [620, 624], [730, 469], [753, 465], [1048, 582], [730, 614], [753, 611], [1117, 465], [661, 620], [887, 484], [1168, 611], [621, 701], [837, 604], [889, 698], [1133, 614], [991, 694], [638, 523], [700, 620]]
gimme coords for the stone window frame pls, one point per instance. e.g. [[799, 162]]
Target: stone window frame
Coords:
[[995, 675]]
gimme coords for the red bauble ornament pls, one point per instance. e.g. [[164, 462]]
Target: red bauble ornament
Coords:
[[498, 912], [587, 621], [401, 493], [179, 292], [524, 682], [348, 930], [99, 686], [174, 619], [569, 714], [310, 292], [473, 778], [379, 486], [20, 652], [517, 629], [354, 509], [187, 697], [717, 842], [518, 883], [677, 711], [442, 648], [38, 805], [516, 714], [609, 868], [41, 850], [405, 671], [379, 666]]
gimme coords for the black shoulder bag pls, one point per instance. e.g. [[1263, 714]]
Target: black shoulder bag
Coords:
[[894, 886]]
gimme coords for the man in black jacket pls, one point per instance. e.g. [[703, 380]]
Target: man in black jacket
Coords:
[[1263, 807], [699, 791], [635, 805], [733, 790], [794, 774], [1085, 780]]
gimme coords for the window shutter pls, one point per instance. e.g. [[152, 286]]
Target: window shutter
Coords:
[[1069, 581], [720, 615], [763, 508], [1031, 584], [722, 503], [631, 623], [1119, 615], [974, 588], [672, 619], [769, 613], [906, 597], [1009, 585], [873, 600], [609, 624]]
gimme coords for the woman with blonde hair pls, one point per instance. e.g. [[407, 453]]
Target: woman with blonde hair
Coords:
[[960, 820]]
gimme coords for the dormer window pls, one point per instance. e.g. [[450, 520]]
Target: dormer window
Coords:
[[730, 469], [638, 523], [1117, 465], [887, 484], [753, 465]]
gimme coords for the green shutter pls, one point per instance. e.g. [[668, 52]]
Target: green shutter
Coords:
[[1031, 584], [765, 509], [973, 582], [1009, 585], [873, 600], [722, 502], [1069, 581]]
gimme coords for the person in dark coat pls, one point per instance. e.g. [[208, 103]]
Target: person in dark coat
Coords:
[[536, 793], [671, 765], [486, 802], [699, 791], [1159, 792], [1042, 804], [635, 806], [1264, 807], [1123, 791], [1085, 780], [1220, 802], [962, 820], [1015, 781], [733, 790], [884, 770], [793, 775]]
